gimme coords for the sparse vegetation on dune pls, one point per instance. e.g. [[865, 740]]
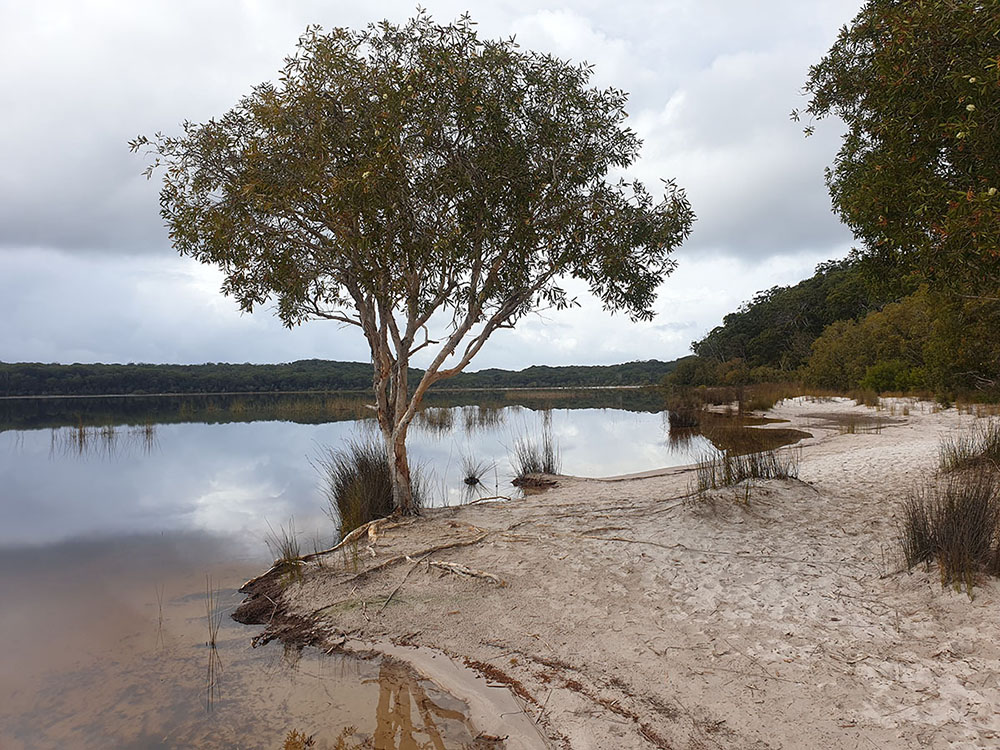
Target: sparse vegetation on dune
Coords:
[[728, 468], [286, 550], [975, 448], [955, 522]]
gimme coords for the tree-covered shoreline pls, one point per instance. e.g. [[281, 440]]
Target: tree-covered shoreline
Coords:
[[38, 379]]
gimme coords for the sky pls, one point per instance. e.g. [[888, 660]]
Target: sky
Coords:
[[87, 273]]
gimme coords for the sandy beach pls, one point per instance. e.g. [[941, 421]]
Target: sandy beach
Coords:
[[632, 612]]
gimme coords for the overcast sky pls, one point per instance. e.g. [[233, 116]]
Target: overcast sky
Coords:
[[87, 273]]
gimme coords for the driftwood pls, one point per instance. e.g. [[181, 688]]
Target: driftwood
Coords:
[[461, 570], [360, 576]]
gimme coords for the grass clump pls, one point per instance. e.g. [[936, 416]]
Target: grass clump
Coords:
[[531, 457], [954, 522], [728, 468], [357, 482], [286, 550], [474, 470], [977, 448]]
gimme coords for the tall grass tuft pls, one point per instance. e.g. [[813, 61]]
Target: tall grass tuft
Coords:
[[357, 483], [728, 468], [286, 550], [531, 457], [683, 419], [954, 522], [977, 448]]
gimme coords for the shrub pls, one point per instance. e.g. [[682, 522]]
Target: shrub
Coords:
[[979, 447], [358, 484], [954, 522]]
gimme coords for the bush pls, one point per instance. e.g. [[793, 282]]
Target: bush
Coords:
[[978, 448], [358, 484], [956, 523], [892, 375]]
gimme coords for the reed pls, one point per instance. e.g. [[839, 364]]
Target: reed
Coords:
[[536, 457], [357, 483]]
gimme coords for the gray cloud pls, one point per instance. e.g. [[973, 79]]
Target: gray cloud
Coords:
[[88, 274]]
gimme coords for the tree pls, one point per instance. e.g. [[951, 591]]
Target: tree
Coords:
[[406, 177], [918, 175]]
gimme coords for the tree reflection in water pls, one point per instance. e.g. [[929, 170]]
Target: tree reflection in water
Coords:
[[397, 726]]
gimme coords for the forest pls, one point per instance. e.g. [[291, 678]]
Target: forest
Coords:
[[847, 328]]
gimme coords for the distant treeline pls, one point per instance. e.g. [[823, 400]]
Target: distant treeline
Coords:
[[851, 327], [304, 408], [35, 379]]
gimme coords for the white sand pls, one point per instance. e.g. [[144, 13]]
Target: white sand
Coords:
[[634, 616]]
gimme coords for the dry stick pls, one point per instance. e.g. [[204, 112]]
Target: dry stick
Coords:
[[393, 592], [371, 528], [461, 570], [400, 558]]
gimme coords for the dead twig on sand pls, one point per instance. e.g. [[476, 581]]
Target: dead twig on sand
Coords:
[[461, 570], [402, 558], [393, 592]]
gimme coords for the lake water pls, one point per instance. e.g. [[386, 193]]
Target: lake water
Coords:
[[117, 515]]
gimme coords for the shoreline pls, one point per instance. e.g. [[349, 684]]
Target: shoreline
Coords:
[[629, 612]]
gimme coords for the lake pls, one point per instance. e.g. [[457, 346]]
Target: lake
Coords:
[[127, 524]]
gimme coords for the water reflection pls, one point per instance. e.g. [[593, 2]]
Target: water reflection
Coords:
[[108, 644], [406, 716], [109, 441]]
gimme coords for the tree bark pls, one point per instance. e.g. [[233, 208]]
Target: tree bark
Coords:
[[402, 489]]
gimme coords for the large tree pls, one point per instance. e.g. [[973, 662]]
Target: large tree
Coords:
[[917, 83], [404, 178]]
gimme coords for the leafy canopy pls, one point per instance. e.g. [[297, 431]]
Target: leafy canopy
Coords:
[[918, 175], [407, 169]]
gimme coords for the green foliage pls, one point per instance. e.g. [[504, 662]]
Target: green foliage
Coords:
[[399, 177], [36, 379], [777, 327], [918, 175], [883, 350]]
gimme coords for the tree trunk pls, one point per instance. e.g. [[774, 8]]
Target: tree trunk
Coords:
[[399, 467]]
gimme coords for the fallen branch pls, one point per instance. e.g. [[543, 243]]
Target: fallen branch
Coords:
[[402, 558], [393, 592], [371, 529], [461, 570]]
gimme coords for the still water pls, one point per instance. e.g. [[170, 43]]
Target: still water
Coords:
[[127, 526]]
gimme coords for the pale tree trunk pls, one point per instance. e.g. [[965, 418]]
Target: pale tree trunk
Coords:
[[399, 469]]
